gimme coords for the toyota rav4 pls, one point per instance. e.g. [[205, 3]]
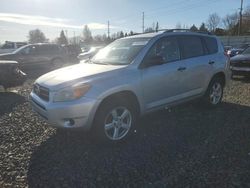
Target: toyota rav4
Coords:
[[131, 77]]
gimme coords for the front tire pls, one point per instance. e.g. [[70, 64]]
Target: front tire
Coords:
[[114, 121]]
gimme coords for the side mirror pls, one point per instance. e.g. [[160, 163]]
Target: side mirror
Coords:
[[154, 60]]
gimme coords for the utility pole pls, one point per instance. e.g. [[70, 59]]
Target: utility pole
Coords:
[[74, 34], [142, 22], [108, 30], [66, 31], [240, 23]]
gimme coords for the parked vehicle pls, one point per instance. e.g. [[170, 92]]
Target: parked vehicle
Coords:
[[131, 77], [89, 54], [10, 74], [72, 52], [35, 56], [9, 47], [240, 64], [234, 51]]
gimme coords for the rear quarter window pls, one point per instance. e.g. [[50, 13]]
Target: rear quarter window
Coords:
[[211, 45], [191, 46]]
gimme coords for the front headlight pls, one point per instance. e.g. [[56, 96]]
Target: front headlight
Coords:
[[71, 93]]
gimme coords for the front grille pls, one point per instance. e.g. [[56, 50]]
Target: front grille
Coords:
[[241, 64], [41, 91]]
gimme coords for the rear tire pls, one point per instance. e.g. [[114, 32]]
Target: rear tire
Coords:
[[114, 121], [214, 93]]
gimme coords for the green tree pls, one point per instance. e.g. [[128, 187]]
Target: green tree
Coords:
[[121, 34], [62, 39], [87, 36], [203, 28], [193, 28], [36, 36], [157, 27], [149, 30]]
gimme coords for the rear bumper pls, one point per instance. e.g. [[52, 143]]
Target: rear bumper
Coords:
[[65, 114]]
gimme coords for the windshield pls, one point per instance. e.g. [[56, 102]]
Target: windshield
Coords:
[[246, 51], [20, 49], [120, 52]]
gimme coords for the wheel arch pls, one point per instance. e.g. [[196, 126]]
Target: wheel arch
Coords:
[[128, 95], [221, 75]]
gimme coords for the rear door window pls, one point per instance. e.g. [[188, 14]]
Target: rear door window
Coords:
[[191, 46], [211, 45]]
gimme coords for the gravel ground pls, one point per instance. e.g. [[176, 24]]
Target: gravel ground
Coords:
[[186, 146]]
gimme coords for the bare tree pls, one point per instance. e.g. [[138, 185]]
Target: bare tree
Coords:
[[230, 21], [246, 21], [36, 36], [213, 22], [87, 36], [149, 30]]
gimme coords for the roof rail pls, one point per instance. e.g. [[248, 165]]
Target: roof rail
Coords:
[[187, 30], [176, 30]]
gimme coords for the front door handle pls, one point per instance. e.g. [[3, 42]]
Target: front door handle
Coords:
[[211, 62], [181, 69]]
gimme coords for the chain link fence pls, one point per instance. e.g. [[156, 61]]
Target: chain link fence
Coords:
[[235, 41]]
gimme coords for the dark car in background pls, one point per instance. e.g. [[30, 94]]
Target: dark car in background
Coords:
[[10, 74], [9, 46], [240, 64], [36, 56], [234, 51], [72, 51]]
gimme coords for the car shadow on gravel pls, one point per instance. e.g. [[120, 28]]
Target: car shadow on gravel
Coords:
[[36, 73], [9, 100], [184, 146]]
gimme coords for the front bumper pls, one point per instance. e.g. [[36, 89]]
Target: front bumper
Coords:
[[75, 114], [14, 79]]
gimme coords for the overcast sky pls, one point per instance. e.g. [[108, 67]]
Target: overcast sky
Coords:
[[17, 17]]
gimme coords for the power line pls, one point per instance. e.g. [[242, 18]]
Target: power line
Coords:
[[172, 9], [182, 9]]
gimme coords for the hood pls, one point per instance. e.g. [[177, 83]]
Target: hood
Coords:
[[240, 57], [76, 73], [6, 56]]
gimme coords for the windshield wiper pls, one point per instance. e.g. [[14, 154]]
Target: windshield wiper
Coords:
[[100, 63]]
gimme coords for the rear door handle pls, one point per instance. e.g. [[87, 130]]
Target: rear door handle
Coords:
[[211, 62], [181, 69]]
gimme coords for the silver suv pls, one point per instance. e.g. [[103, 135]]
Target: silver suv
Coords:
[[131, 77]]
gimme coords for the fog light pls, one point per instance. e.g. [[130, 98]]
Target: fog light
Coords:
[[69, 123]]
